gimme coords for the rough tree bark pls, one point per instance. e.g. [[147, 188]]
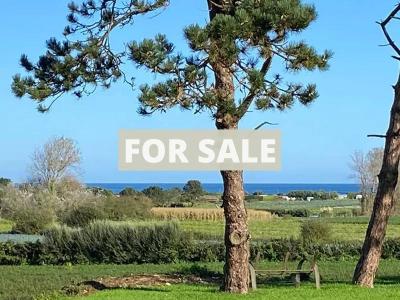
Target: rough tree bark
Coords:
[[236, 234], [367, 265]]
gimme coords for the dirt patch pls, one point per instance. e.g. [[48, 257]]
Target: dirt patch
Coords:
[[134, 281]]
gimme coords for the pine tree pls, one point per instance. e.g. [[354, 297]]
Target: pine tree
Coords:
[[226, 74]]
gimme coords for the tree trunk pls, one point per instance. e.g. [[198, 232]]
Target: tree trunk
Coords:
[[367, 266], [236, 268], [237, 236]]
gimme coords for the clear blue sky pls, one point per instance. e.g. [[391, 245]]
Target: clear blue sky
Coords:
[[355, 96]]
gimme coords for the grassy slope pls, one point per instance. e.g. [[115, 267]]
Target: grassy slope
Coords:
[[23, 282]]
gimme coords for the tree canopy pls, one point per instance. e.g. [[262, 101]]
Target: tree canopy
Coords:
[[244, 39]]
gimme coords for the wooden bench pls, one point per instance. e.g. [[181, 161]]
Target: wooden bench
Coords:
[[294, 274]]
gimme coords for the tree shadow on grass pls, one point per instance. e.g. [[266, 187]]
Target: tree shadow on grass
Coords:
[[144, 288], [391, 279]]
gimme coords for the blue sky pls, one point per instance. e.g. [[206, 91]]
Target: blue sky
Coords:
[[355, 96]]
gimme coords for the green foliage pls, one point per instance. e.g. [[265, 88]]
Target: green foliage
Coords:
[[106, 242], [82, 215], [193, 190], [127, 207], [30, 212], [4, 181], [97, 191], [298, 213], [32, 220], [241, 36], [163, 197], [315, 231], [128, 192], [318, 195]]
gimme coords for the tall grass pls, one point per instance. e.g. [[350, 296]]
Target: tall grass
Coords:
[[202, 214]]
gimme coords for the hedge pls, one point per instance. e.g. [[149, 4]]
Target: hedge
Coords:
[[105, 242]]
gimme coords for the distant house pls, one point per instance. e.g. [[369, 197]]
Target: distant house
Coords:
[[310, 198], [359, 197], [287, 198]]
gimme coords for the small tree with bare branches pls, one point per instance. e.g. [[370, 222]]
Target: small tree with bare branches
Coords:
[[365, 169], [57, 159]]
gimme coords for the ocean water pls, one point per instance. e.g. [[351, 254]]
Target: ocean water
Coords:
[[265, 188]]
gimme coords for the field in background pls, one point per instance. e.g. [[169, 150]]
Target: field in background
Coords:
[[202, 214], [287, 227], [314, 205]]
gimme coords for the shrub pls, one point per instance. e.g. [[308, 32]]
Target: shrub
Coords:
[[120, 243], [105, 242], [32, 220], [298, 213], [128, 192], [82, 215], [315, 231], [163, 197], [30, 212], [127, 207]]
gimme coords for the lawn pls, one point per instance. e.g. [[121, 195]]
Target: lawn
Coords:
[[200, 292], [27, 282], [288, 227]]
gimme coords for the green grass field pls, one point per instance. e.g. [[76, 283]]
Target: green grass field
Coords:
[[290, 227], [28, 282], [201, 292]]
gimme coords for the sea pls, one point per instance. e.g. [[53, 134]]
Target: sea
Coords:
[[263, 188]]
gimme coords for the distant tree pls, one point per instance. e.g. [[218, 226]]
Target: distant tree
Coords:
[[228, 72], [193, 190], [367, 266], [154, 192], [365, 169], [4, 181], [54, 161], [128, 192]]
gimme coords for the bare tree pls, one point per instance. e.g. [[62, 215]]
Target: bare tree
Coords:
[[54, 161], [368, 263], [365, 169]]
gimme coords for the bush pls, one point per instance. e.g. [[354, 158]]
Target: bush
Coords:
[[108, 242], [127, 207], [128, 192], [30, 212], [82, 215], [163, 197], [298, 213], [105, 242], [32, 220], [315, 231]]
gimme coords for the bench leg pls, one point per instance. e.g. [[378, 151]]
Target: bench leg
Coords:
[[296, 279], [317, 277], [253, 281]]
